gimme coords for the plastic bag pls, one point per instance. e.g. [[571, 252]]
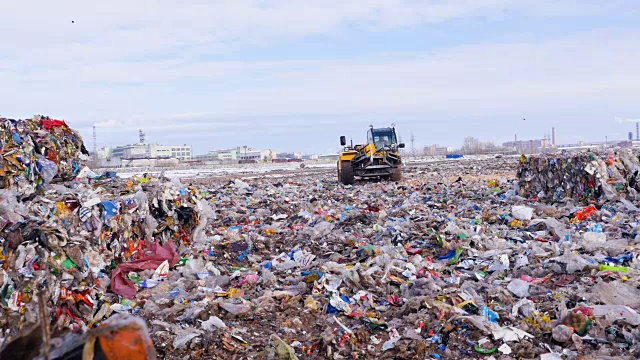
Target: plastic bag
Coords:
[[213, 323], [10, 208], [235, 308], [519, 288], [522, 213], [47, 168], [616, 293]]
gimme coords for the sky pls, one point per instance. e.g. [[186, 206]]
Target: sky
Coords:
[[294, 75]]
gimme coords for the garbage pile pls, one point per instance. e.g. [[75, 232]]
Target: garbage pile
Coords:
[[452, 262], [37, 151], [582, 176]]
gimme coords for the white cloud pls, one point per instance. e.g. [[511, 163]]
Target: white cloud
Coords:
[[591, 67], [151, 63], [577, 69], [109, 124], [42, 33]]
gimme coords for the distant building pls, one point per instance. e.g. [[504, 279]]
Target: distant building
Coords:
[[151, 151], [289, 155], [132, 151], [103, 153], [242, 153], [528, 144], [436, 150], [329, 157], [180, 152], [205, 159]]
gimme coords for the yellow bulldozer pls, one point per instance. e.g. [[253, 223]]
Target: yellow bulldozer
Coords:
[[379, 157]]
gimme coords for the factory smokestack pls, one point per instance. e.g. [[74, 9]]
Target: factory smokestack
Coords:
[[553, 136]]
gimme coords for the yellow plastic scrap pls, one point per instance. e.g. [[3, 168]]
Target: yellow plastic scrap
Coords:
[[545, 318], [465, 303], [523, 159], [284, 351], [311, 303], [63, 210]]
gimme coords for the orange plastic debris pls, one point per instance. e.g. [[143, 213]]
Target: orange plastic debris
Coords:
[[585, 213], [125, 337]]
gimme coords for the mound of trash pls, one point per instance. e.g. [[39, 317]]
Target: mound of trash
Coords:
[[38, 151], [452, 262], [582, 176]]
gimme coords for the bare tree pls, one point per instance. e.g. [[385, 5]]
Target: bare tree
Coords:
[[473, 146]]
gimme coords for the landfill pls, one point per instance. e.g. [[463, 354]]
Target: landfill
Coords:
[[583, 176], [452, 262]]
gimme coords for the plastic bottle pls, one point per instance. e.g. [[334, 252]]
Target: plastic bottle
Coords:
[[148, 283], [561, 333]]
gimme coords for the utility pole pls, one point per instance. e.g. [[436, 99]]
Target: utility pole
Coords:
[[95, 143], [413, 149]]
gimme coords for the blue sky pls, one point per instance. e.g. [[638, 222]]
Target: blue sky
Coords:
[[295, 75]]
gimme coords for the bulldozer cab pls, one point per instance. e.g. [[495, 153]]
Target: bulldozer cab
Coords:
[[385, 137]]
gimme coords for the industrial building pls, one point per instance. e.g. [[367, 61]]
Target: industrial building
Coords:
[[549, 141], [528, 144], [147, 151], [241, 153], [289, 155], [436, 150], [140, 154], [142, 150], [329, 157]]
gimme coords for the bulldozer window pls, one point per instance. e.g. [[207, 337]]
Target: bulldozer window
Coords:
[[383, 138]]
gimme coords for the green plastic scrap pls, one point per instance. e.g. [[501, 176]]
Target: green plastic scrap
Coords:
[[485, 351], [133, 277], [68, 263], [603, 267], [456, 257], [369, 249], [440, 239]]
